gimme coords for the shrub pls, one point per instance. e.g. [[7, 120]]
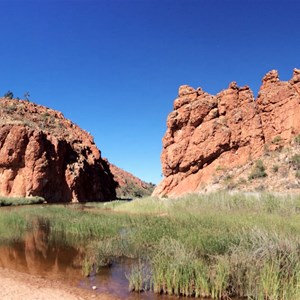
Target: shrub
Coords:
[[295, 161], [9, 95], [9, 109], [26, 96], [276, 140], [258, 171], [275, 168], [220, 168], [228, 178], [297, 139], [45, 115], [242, 181]]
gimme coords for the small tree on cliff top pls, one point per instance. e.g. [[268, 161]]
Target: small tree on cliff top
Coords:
[[9, 95], [26, 96]]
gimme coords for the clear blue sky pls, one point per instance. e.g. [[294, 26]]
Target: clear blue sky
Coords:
[[114, 67]]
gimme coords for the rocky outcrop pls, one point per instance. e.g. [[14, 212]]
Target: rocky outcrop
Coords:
[[278, 104], [206, 132], [44, 154]]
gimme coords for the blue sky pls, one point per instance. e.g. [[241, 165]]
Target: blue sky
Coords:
[[114, 67]]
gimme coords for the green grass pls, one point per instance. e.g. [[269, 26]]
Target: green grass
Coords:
[[215, 245], [148, 205], [14, 201]]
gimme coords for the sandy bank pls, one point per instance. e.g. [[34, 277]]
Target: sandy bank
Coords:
[[16, 286]]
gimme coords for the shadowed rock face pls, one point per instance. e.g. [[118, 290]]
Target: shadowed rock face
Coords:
[[44, 154], [205, 132]]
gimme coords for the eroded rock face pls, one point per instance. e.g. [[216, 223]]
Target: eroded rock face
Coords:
[[205, 132], [44, 154], [278, 105]]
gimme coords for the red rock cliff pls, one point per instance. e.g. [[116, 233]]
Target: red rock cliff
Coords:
[[205, 132], [44, 154]]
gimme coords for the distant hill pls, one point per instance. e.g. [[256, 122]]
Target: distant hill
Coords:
[[129, 186]]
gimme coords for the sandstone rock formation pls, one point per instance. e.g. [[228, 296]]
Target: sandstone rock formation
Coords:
[[206, 132], [44, 154]]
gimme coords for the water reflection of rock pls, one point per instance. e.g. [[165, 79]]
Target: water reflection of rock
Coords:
[[38, 255]]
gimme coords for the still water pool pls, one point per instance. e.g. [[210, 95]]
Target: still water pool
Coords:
[[37, 255]]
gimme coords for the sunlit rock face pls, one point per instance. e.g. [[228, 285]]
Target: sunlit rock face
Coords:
[[206, 131], [44, 154]]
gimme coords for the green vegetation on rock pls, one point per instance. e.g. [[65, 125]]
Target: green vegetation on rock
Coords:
[[131, 190], [297, 139], [295, 161], [258, 171]]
